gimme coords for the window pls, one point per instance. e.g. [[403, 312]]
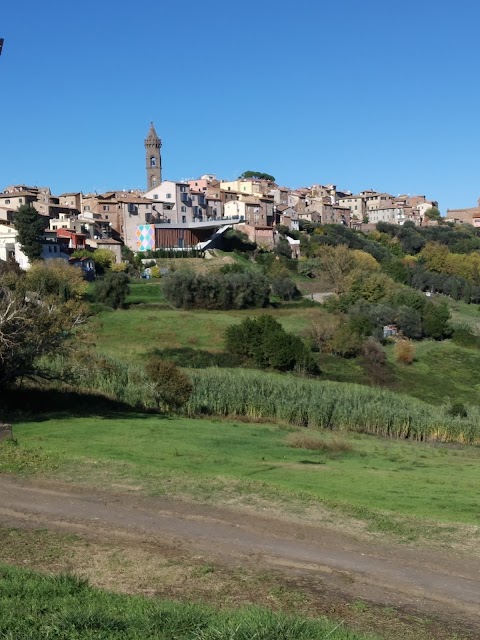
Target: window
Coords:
[[155, 197], [20, 200], [168, 195], [86, 208], [106, 207], [184, 209], [106, 217], [153, 181], [184, 219], [153, 161], [7, 201]]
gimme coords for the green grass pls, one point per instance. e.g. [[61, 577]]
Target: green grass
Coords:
[[133, 332], [64, 607], [145, 292], [442, 372], [393, 486]]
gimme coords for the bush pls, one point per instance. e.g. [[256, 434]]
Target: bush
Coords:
[[373, 352], [458, 410], [405, 351], [232, 268], [321, 332], [187, 290], [171, 386], [55, 278], [346, 342], [265, 343], [409, 322], [435, 321], [285, 288], [234, 240], [112, 290]]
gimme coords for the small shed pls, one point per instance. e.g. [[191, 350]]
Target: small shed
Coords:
[[390, 331]]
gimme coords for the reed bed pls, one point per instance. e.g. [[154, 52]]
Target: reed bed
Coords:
[[287, 398], [327, 405]]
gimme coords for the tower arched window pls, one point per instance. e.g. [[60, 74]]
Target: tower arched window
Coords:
[[153, 161], [154, 181]]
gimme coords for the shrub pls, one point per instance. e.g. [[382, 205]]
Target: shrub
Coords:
[[187, 290], [265, 343], [405, 351], [155, 272], [283, 248], [232, 268], [435, 321], [322, 330], [55, 278], [119, 267], [346, 342], [458, 410], [104, 258], [234, 240], [171, 386], [112, 290], [373, 352], [285, 288], [409, 322]]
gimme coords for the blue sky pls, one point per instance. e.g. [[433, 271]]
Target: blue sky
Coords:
[[372, 94]]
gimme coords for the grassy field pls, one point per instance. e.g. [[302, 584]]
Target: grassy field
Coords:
[[132, 333], [443, 372], [35, 606], [392, 486]]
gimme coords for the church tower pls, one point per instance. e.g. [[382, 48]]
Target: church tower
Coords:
[[153, 158]]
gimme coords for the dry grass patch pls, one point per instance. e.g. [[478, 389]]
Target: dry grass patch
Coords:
[[303, 440]]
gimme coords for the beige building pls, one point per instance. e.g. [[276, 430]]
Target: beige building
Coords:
[[465, 216]]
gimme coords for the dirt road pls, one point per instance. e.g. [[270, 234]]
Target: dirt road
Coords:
[[430, 582]]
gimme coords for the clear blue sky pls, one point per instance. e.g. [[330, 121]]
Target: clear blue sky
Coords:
[[361, 94]]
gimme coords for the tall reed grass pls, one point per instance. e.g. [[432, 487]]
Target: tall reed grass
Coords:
[[298, 401], [327, 405]]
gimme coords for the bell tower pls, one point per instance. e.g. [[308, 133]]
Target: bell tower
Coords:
[[153, 157]]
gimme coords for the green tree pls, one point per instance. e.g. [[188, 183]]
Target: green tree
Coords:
[[30, 226], [433, 214], [32, 325], [283, 248], [436, 318], [264, 343], [112, 290], [256, 174], [172, 387], [55, 278]]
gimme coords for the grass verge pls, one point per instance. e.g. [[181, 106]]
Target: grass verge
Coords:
[[394, 487]]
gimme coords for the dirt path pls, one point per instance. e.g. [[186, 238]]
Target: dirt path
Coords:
[[426, 581]]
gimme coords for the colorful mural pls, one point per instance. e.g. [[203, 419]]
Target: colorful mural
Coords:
[[145, 237]]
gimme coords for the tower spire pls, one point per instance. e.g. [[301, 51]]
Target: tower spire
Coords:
[[153, 157]]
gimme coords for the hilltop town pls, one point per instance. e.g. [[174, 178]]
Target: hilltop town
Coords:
[[194, 213]]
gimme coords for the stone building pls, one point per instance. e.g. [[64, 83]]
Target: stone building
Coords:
[[153, 158]]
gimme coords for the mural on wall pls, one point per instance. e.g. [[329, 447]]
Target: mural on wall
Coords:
[[145, 237]]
